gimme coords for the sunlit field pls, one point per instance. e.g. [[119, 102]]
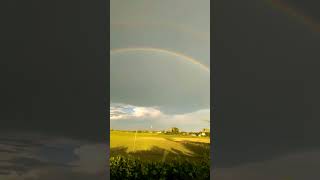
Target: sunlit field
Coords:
[[157, 145], [133, 143], [169, 156]]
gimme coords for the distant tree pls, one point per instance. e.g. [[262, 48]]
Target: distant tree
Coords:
[[175, 130]]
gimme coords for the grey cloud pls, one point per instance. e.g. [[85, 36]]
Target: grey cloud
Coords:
[[150, 79], [181, 25]]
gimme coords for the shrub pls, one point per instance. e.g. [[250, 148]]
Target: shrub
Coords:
[[133, 168]]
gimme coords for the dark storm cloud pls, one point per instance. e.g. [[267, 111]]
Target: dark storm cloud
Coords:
[[53, 64], [266, 85]]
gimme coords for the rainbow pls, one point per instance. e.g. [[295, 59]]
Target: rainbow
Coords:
[[158, 50], [294, 12]]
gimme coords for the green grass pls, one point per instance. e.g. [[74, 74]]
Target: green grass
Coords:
[[158, 146], [158, 156]]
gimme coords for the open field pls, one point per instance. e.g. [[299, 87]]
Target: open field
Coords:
[[154, 146], [144, 156]]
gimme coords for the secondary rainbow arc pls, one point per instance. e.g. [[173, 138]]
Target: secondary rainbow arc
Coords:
[[164, 51]]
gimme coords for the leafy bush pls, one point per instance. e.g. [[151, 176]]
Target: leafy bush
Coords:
[[133, 168]]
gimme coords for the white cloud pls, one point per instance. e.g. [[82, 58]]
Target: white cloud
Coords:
[[188, 121], [121, 111]]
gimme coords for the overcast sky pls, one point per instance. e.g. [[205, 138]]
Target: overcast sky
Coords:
[[153, 88]]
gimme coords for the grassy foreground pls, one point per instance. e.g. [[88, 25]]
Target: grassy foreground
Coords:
[[158, 156]]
